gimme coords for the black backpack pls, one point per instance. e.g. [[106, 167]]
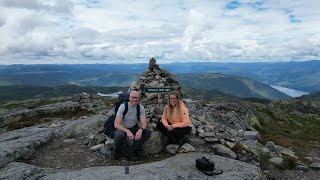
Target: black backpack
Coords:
[[109, 128]]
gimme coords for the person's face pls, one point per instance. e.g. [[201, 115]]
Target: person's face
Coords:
[[173, 99], [134, 98]]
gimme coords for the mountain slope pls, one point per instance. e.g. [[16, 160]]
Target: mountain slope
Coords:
[[233, 85], [22, 92], [303, 76]]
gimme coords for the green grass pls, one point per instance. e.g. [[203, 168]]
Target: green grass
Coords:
[[296, 133]]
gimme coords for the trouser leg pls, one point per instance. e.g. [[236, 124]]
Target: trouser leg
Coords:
[[119, 139], [144, 137], [179, 133], [166, 132]]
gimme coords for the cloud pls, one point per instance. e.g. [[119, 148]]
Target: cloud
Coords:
[[87, 31], [59, 6]]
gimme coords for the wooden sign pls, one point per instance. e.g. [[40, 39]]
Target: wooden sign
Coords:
[[157, 89]]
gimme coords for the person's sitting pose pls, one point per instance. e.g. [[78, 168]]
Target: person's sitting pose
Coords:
[[175, 122], [128, 129]]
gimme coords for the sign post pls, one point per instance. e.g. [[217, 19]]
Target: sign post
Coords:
[[158, 90]]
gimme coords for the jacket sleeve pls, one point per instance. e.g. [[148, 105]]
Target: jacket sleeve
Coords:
[[164, 117], [185, 119]]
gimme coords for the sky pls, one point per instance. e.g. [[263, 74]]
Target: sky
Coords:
[[133, 31]]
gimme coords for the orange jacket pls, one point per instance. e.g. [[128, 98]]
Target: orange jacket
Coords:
[[177, 121]]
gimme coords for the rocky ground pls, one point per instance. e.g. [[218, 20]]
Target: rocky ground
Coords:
[[78, 155], [52, 148], [277, 174]]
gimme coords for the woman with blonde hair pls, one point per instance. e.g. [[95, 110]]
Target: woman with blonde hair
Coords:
[[175, 122]]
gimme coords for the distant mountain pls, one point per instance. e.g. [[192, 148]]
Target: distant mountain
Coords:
[[22, 92], [92, 75], [55, 75], [312, 97], [303, 76], [233, 85]]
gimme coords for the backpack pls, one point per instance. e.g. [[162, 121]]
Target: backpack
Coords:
[[109, 128]]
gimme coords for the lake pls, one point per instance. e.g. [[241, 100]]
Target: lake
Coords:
[[290, 92]]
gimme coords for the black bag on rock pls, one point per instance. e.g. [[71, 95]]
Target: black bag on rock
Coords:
[[205, 165]]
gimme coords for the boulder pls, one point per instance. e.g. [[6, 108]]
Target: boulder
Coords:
[[155, 144], [251, 135], [315, 166], [186, 148], [222, 150], [22, 143], [172, 148], [277, 161]]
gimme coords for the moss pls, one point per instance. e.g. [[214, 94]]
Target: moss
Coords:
[[238, 148], [288, 162], [255, 123], [295, 133], [264, 162], [27, 121], [244, 150]]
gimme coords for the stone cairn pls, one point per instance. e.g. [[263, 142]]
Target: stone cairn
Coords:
[[154, 76]]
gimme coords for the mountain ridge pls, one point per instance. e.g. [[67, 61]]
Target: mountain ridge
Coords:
[[233, 85], [302, 76]]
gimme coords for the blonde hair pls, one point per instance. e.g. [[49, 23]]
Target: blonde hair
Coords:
[[177, 107]]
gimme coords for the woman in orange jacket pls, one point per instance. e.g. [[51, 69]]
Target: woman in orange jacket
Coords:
[[175, 122]]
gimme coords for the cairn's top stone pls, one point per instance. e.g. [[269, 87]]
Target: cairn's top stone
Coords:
[[153, 63]]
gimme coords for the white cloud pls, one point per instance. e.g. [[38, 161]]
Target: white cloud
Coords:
[[82, 31]]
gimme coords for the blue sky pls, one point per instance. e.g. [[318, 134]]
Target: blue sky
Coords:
[[128, 31]]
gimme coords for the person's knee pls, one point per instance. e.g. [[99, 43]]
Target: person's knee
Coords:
[[188, 130], [160, 126], [146, 133], [119, 135], [181, 132]]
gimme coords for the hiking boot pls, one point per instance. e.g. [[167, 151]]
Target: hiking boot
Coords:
[[182, 141], [172, 140], [185, 139]]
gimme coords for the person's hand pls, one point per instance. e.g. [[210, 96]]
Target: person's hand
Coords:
[[169, 127], [138, 135], [130, 135]]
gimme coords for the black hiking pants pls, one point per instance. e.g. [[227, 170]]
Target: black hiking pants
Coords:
[[175, 134], [120, 138]]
